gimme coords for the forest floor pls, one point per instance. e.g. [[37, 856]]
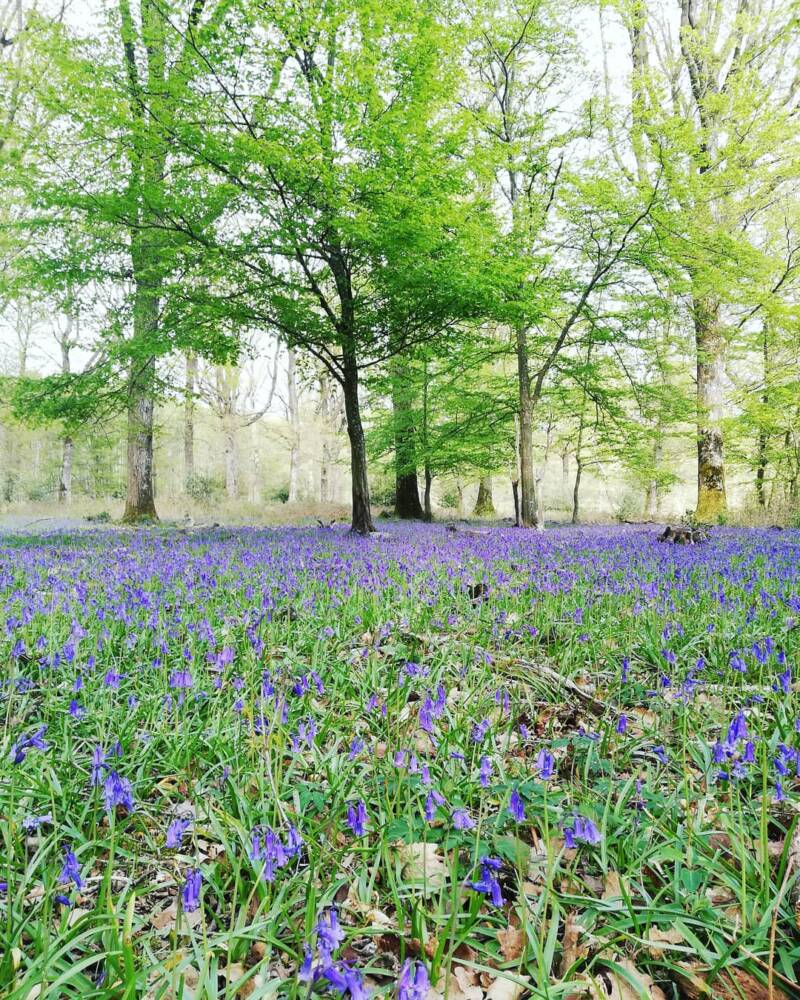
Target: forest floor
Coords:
[[474, 764]]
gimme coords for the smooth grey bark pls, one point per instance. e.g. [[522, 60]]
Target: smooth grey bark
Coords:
[[293, 412], [188, 419]]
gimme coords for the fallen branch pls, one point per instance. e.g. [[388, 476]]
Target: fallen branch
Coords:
[[594, 705]]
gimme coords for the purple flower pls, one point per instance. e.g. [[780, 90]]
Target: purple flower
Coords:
[[98, 765], [661, 753], [180, 679], [190, 893], [485, 772], [582, 830], [35, 741], [329, 935], [31, 823], [175, 832], [622, 723], [545, 764], [70, 870], [462, 820], [117, 791], [346, 979], [487, 883], [413, 983], [737, 730], [433, 800], [357, 818], [479, 731], [516, 807]]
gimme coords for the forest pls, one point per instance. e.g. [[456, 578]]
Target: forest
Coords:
[[427, 242], [399, 500]]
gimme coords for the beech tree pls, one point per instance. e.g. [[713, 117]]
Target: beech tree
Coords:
[[350, 226], [695, 79], [98, 181]]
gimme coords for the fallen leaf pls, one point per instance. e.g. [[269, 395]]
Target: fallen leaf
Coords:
[[505, 989], [423, 863], [730, 984], [658, 939], [622, 986], [612, 888], [571, 949], [512, 943]]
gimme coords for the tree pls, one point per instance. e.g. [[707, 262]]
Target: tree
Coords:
[[571, 232], [99, 181], [695, 82], [350, 227]]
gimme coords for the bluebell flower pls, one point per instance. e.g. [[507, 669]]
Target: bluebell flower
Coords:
[[583, 830], [433, 800], [479, 731], [485, 771], [99, 765], [487, 883], [190, 893], [175, 832], [329, 934], [346, 980], [357, 818], [117, 791], [76, 710], [31, 823], [737, 730], [413, 983], [516, 807], [35, 741], [70, 870], [462, 820], [545, 764]]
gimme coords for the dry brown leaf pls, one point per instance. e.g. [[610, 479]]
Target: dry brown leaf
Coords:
[[164, 920], [512, 943], [730, 984], [612, 888], [460, 985], [504, 989], [658, 939], [572, 950], [622, 988], [423, 863]]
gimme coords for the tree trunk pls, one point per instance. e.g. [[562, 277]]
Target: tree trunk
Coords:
[[361, 523], [529, 503], [140, 501], [763, 437], [576, 493], [565, 473], [188, 420], [515, 491], [65, 476], [484, 505], [711, 497], [578, 469], [231, 456], [406, 490], [294, 427], [651, 497], [325, 474], [428, 483]]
